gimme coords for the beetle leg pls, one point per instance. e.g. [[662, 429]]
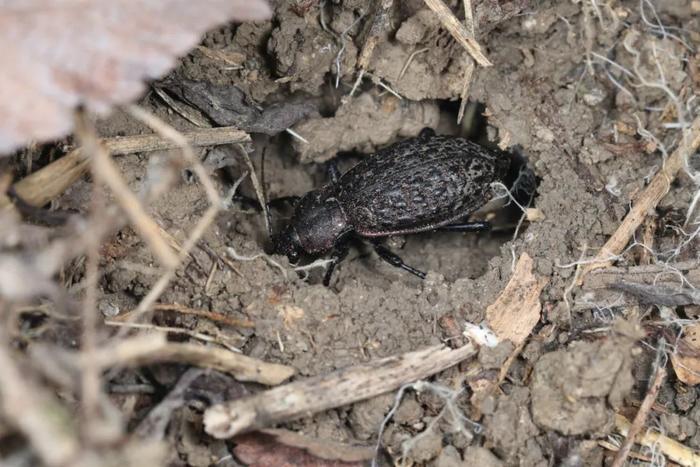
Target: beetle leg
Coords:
[[426, 133], [394, 259], [477, 226], [333, 172], [274, 202], [339, 254]]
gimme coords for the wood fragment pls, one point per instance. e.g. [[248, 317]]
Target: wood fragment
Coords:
[[672, 449], [639, 419], [517, 310], [647, 200], [51, 181], [458, 31], [467, 79], [154, 348], [342, 387]]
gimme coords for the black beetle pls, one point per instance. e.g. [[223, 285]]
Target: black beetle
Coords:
[[425, 183]]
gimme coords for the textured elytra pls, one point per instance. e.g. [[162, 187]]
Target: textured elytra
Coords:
[[419, 184]]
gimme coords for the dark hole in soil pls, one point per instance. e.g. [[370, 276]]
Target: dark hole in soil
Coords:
[[452, 254]]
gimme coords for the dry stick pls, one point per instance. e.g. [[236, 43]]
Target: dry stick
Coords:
[[469, 24], [640, 418], [342, 387], [205, 221], [671, 448], [612, 447], [49, 182], [190, 114], [210, 315], [647, 200], [210, 339], [153, 348], [469, 18], [458, 31]]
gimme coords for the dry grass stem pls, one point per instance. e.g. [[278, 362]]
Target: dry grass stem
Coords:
[[190, 114], [25, 405], [91, 384], [458, 31], [342, 387], [469, 71], [51, 181], [106, 171], [210, 315], [647, 200], [259, 189]]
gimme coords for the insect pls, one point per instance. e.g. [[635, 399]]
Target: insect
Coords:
[[425, 183]]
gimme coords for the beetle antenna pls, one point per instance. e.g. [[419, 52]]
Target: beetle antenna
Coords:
[[264, 201]]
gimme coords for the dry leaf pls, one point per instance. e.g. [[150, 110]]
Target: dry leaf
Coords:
[[517, 310], [58, 54], [686, 363], [262, 450]]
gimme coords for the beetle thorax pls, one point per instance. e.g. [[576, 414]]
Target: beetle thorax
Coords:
[[319, 221]]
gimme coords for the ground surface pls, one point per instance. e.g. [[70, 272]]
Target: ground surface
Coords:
[[552, 93]]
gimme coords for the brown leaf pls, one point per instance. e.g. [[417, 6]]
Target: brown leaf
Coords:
[[262, 450], [686, 362], [58, 54]]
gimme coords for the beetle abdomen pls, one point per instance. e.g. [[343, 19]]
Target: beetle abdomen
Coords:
[[419, 184]]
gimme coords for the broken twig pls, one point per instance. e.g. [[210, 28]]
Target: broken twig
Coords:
[[671, 448], [640, 418], [647, 200], [342, 387], [148, 349]]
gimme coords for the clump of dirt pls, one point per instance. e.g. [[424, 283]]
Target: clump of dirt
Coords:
[[575, 390], [365, 124]]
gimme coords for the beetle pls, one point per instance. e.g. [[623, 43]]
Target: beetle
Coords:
[[426, 183]]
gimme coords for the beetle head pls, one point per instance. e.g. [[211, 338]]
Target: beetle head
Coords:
[[287, 243]]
